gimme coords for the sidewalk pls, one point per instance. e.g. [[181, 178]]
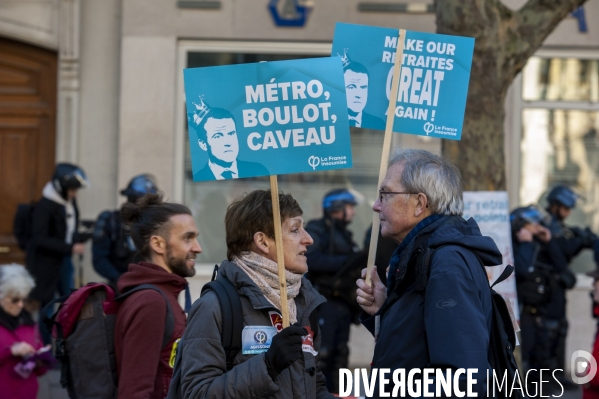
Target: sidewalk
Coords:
[[50, 386]]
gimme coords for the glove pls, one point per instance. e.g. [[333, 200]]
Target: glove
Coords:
[[567, 279], [586, 236], [285, 349]]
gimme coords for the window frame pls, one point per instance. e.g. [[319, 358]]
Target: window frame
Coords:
[[514, 124]]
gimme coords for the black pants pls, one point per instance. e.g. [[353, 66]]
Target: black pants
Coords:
[[543, 341], [335, 319]]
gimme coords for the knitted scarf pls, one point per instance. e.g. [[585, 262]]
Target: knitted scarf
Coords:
[[264, 273]]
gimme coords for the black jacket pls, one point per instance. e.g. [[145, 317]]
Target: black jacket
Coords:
[[571, 240], [48, 247], [334, 263], [447, 324], [112, 249], [542, 277], [333, 245]]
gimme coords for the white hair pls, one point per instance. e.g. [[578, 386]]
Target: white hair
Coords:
[[435, 176], [15, 281]]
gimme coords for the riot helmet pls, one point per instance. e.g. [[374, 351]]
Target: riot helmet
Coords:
[[139, 186], [336, 200], [522, 216], [67, 177], [562, 195]]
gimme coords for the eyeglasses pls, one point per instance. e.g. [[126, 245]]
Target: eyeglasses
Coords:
[[381, 193], [14, 301]]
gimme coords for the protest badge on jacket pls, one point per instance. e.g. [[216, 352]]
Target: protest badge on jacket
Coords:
[[433, 81], [267, 118], [256, 339]]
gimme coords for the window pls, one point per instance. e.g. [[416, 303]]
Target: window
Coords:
[[560, 141]]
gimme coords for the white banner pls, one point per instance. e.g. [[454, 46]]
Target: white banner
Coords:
[[490, 209]]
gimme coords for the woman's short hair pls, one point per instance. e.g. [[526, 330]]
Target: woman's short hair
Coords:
[[253, 213], [435, 176], [15, 281]]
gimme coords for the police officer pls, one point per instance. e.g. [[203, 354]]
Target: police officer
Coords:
[[331, 260], [534, 271], [113, 248], [569, 242]]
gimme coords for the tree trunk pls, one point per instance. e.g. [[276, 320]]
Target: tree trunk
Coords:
[[505, 39]]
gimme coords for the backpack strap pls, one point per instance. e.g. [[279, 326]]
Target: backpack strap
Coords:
[[314, 323], [115, 228], [232, 316], [509, 269], [169, 328]]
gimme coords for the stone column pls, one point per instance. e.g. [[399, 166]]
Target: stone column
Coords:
[[67, 134]]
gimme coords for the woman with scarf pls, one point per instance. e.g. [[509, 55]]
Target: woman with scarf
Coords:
[[286, 369], [19, 338]]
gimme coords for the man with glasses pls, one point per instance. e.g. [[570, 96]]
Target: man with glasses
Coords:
[[436, 310]]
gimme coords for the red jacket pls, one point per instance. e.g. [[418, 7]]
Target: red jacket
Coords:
[[591, 390], [12, 385], [142, 366]]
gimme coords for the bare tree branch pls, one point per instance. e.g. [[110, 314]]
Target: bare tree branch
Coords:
[[475, 18], [505, 39], [533, 23]]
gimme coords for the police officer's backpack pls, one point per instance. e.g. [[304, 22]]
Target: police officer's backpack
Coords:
[[84, 330]]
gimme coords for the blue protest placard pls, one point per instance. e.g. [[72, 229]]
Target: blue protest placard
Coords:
[[267, 118], [433, 84]]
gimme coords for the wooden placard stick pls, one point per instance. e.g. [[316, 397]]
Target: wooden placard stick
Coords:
[[276, 213], [376, 223]]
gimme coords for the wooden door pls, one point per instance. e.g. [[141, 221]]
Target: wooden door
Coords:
[[28, 84]]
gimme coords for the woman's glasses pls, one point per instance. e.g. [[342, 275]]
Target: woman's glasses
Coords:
[[14, 301]]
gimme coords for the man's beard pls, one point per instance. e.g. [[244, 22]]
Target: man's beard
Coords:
[[179, 265]]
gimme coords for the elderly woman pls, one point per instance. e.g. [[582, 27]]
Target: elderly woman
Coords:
[[286, 369], [19, 336]]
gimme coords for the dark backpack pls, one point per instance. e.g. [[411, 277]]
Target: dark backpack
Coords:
[[22, 227], [84, 330], [232, 326], [502, 337]]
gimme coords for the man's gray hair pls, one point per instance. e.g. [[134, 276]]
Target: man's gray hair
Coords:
[[435, 176], [15, 281]]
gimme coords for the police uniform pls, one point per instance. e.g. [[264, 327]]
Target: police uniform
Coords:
[[568, 243], [331, 260], [112, 248]]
